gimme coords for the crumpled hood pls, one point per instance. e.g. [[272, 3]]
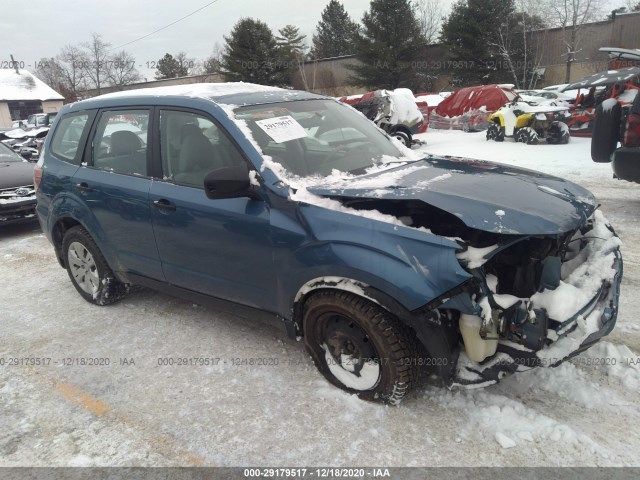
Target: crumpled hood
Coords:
[[484, 195]]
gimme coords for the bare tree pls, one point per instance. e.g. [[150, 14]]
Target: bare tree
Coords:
[[98, 59], [430, 14], [571, 16], [122, 69], [73, 62], [212, 63]]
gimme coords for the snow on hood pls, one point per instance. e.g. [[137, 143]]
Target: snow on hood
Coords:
[[485, 196]]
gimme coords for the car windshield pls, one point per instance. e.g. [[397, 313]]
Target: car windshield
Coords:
[[316, 137], [8, 155]]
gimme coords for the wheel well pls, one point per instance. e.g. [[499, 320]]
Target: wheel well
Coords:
[[400, 128], [354, 288], [59, 229]]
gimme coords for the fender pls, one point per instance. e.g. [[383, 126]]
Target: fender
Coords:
[[524, 120]]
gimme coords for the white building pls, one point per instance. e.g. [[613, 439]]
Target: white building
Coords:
[[22, 94]]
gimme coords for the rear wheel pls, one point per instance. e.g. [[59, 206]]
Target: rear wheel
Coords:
[[360, 347], [558, 133], [526, 135], [495, 132], [88, 269], [606, 130]]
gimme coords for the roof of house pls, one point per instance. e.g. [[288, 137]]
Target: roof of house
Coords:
[[24, 86]]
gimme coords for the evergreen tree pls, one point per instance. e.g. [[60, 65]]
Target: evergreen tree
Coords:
[[472, 33], [168, 67], [389, 46], [251, 54], [291, 41], [335, 34]]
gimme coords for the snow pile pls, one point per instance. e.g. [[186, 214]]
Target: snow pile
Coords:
[[567, 382], [510, 422], [617, 361]]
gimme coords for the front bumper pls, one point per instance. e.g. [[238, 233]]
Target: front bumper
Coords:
[[565, 339], [16, 211]]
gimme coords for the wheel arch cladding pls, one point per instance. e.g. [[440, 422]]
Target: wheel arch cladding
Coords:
[[67, 211]]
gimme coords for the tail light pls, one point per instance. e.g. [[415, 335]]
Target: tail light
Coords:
[[37, 176], [632, 133]]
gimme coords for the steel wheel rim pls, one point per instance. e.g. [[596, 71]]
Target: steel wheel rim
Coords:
[[83, 268], [349, 352]]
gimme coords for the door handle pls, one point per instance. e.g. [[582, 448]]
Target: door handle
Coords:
[[84, 187], [165, 205]]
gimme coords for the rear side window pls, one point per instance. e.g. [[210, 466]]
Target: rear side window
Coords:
[[120, 142], [66, 139]]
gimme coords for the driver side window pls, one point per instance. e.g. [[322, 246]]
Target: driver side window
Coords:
[[192, 146]]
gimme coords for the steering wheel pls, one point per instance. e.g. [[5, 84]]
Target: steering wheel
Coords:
[[342, 149]]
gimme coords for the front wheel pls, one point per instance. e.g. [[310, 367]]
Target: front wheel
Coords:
[[360, 347], [495, 132], [88, 269]]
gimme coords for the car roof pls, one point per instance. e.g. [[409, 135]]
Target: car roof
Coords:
[[234, 93]]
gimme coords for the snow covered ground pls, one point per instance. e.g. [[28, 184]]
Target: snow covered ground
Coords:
[[224, 412]]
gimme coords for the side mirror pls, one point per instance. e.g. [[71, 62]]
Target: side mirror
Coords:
[[228, 182], [26, 154]]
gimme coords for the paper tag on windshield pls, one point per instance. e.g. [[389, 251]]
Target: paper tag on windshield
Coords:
[[282, 129]]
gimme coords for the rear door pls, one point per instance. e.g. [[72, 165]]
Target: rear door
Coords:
[[114, 182], [218, 247]]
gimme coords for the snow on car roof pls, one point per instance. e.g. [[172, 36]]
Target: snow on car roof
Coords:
[[206, 90], [23, 85]]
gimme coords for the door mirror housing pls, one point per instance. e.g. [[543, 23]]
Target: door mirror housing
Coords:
[[228, 182]]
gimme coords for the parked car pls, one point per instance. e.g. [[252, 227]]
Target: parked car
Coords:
[[529, 123], [17, 194], [41, 120], [294, 208], [615, 124]]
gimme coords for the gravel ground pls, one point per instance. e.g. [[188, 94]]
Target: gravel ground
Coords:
[[135, 412]]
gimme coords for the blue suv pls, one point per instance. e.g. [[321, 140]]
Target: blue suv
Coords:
[[294, 208]]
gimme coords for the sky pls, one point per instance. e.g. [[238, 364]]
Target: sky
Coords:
[[36, 29]]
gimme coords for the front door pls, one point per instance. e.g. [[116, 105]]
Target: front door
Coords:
[[218, 247]]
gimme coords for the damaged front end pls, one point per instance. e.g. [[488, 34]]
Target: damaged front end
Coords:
[[535, 301]]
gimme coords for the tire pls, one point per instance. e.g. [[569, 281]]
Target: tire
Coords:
[[88, 269], [404, 137], [526, 135], [339, 326], [495, 132], [558, 134], [606, 132]]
